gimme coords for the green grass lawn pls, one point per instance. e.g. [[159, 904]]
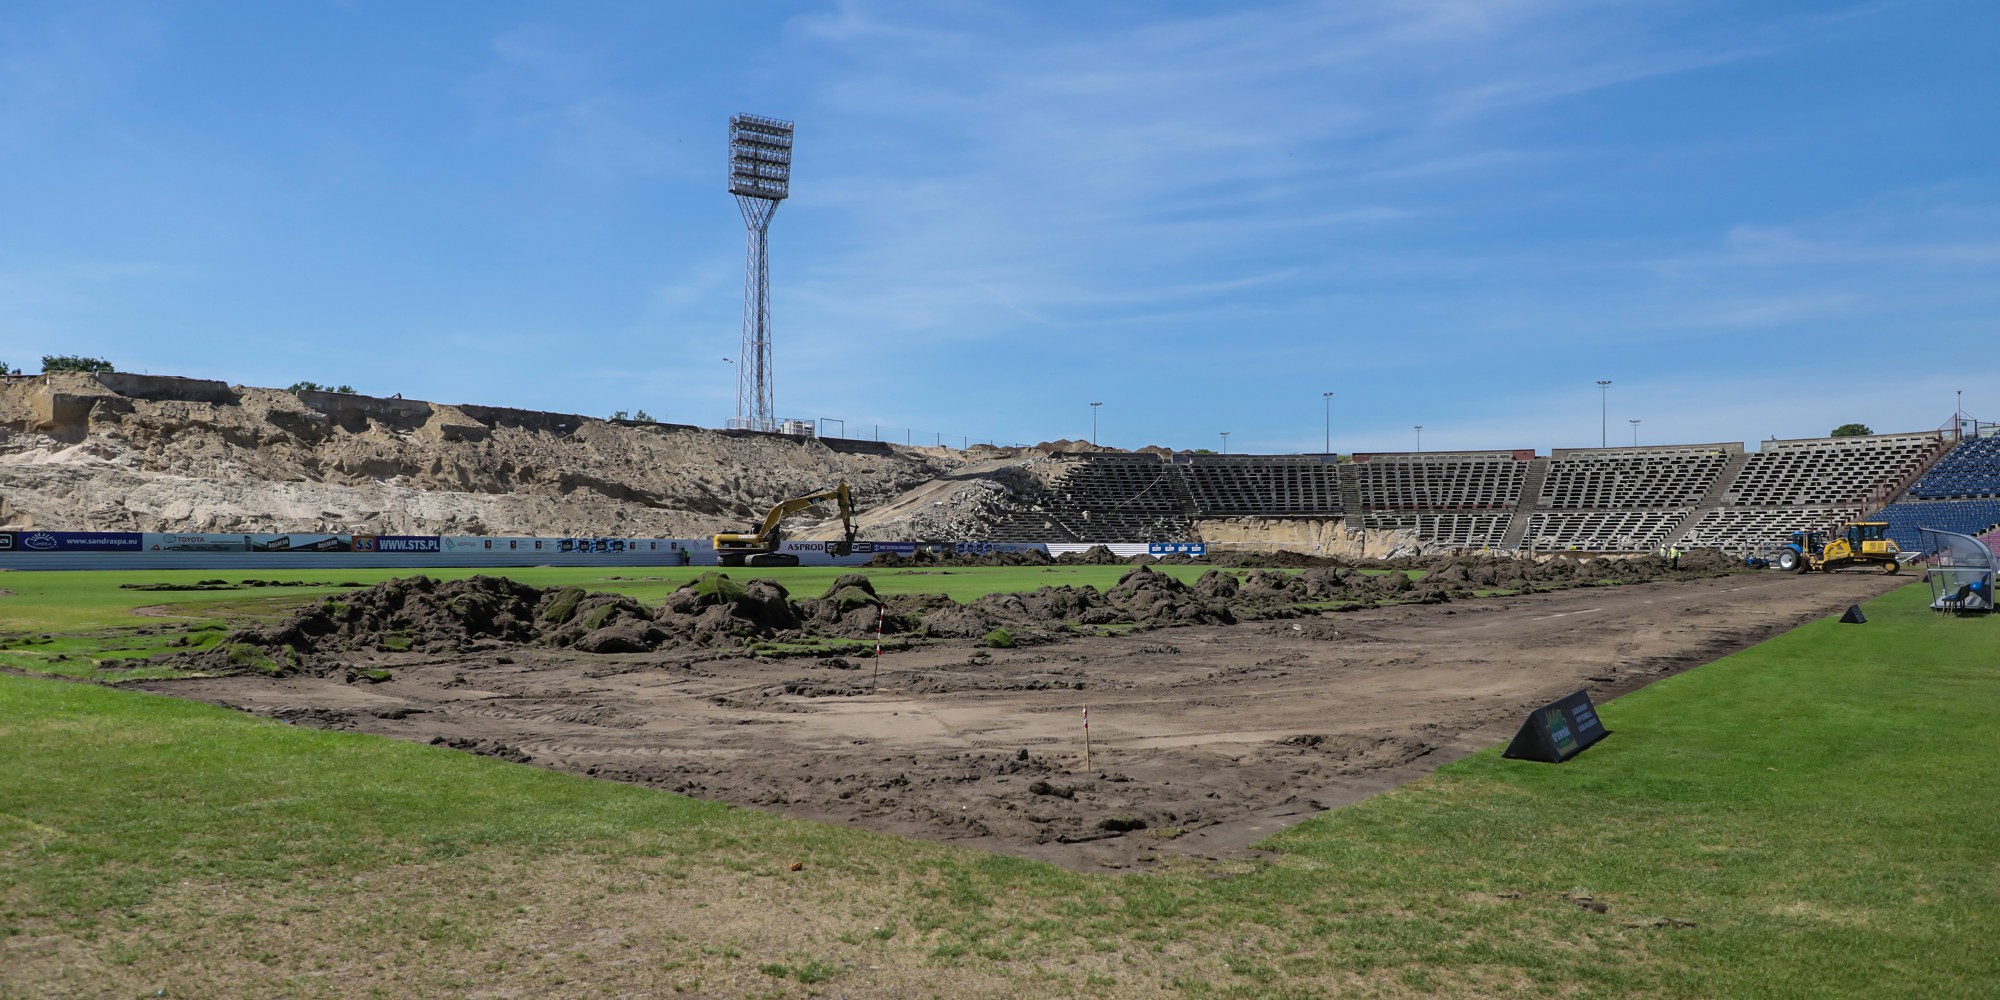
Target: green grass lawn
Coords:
[[1812, 817]]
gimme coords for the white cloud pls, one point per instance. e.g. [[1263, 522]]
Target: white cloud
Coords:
[[1071, 170], [549, 83]]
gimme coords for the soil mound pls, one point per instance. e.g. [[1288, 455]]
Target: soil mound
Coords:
[[412, 614], [423, 615], [937, 557], [1281, 559], [1150, 597], [427, 616], [1096, 555]]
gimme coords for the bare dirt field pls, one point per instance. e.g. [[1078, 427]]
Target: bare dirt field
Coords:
[[1204, 739]]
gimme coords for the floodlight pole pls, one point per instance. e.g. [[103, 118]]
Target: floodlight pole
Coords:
[[760, 173], [1603, 408], [1635, 432], [1225, 442], [1328, 397], [1420, 437], [1093, 423]]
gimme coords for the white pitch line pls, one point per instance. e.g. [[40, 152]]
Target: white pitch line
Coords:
[[1566, 614]]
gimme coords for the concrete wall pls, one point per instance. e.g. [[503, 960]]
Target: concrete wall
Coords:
[[167, 387]]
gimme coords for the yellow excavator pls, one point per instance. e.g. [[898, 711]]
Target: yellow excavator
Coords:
[[1857, 544], [759, 547]]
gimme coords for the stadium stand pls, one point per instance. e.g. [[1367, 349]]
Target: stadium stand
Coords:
[[1832, 471], [1262, 486], [1819, 483], [1585, 499], [1474, 481], [1966, 517], [1108, 498], [1740, 528], [1972, 469], [1635, 479], [1961, 493], [1451, 528], [1602, 530]]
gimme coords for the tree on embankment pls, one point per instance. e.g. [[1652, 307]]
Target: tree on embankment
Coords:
[[74, 363]]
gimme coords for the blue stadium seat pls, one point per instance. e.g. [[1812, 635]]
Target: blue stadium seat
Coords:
[[1972, 469], [1967, 517]]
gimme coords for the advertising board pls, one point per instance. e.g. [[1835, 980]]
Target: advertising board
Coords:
[[1558, 730], [823, 553], [1194, 550], [300, 543], [166, 542], [78, 541], [398, 544], [488, 545]]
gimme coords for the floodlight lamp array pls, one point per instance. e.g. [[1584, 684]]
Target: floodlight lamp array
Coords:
[[760, 157]]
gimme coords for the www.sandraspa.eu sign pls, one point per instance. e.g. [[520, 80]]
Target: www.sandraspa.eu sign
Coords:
[[72, 541]]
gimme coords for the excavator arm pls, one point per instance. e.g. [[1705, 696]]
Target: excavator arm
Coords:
[[747, 547], [786, 508]]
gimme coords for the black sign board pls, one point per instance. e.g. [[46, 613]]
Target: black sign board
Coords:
[[1558, 730]]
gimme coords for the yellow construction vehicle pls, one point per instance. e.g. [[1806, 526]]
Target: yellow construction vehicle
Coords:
[[760, 546], [1860, 543]]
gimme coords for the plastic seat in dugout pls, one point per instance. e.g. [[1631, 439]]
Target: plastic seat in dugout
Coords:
[[1961, 572]]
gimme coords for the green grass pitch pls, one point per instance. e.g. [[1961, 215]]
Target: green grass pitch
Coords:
[[1812, 817]]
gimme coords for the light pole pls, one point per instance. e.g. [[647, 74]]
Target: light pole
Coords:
[[1420, 437], [1635, 432], [760, 175], [1603, 397], [1093, 423], [728, 361], [1225, 442], [1329, 422]]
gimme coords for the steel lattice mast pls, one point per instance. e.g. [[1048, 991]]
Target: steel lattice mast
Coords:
[[760, 174]]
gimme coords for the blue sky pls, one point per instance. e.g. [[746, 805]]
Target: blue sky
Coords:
[[1755, 219]]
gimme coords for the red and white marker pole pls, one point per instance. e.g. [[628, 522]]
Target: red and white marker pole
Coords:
[[875, 681]]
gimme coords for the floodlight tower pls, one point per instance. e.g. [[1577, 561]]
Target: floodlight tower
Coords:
[[760, 176]]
